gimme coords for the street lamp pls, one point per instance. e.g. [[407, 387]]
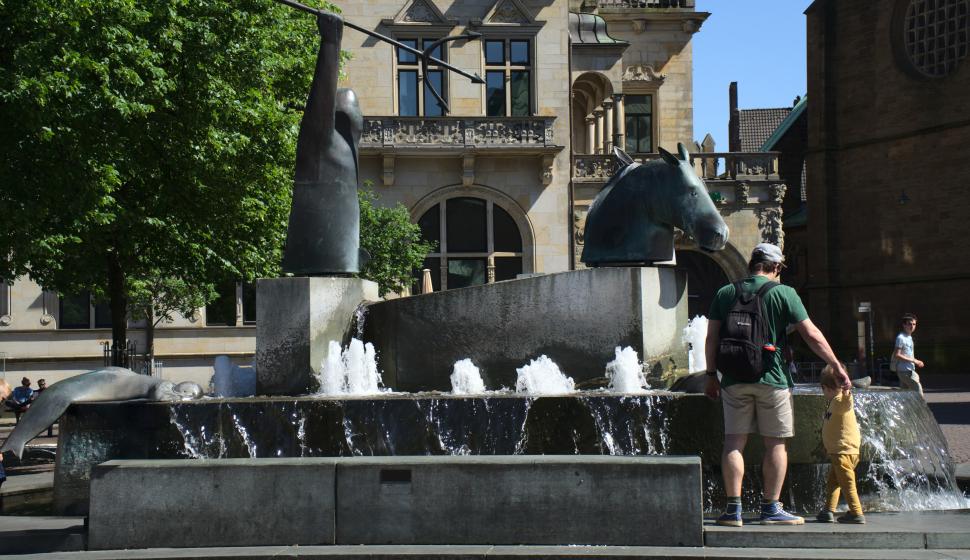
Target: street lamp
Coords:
[[865, 307]]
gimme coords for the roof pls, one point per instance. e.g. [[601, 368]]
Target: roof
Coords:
[[783, 127], [756, 125], [590, 29]]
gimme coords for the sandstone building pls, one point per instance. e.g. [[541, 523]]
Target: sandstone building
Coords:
[[501, 182]]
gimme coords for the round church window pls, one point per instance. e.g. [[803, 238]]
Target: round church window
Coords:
[[935, 35]]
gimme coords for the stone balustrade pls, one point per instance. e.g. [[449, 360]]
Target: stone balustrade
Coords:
[[645, 4], [710, 166], [458, 132]]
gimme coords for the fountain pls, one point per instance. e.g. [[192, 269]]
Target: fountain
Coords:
[[545, 336]]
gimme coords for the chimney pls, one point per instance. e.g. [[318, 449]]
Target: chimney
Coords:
[[734, 122]]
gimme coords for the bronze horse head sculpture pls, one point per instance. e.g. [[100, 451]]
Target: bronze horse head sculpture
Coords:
[[631, 222]]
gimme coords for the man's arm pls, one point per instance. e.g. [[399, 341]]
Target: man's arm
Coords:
[[900, 356], [816, 341], [713, 387], [317, 124]]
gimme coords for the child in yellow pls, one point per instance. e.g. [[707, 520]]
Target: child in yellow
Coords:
[[840, 434]]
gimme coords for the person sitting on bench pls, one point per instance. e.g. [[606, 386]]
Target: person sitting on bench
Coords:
[[21, 398]]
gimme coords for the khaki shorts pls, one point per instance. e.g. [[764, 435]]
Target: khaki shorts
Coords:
[[756, 407]]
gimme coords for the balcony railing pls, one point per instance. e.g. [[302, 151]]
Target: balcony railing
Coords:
[[458, 132], [710, 166], [645, 3]]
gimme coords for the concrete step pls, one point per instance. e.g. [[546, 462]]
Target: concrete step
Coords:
[[36, 535], [26, 494], [470, 552], [897, 531]]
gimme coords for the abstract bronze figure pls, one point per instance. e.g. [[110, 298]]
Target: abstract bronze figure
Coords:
[[323, 236], [631, 222]]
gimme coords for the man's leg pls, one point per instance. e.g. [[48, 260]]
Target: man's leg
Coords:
[[732, 463], [774, 467], [776, 423]]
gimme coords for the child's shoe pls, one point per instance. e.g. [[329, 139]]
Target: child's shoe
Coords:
[[850, 517], [731, 516], [773, 514], [825, 516]]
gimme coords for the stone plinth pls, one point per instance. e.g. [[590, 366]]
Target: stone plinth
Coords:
[[520, 500], [229, 502], [576, 318], [296, 319], [505, 499]]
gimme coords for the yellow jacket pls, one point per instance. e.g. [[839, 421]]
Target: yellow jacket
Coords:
[[840, 432]]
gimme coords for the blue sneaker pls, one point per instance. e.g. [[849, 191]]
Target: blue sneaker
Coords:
[[774, 514], [731, 516]]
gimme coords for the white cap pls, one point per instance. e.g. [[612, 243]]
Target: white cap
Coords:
[[767, 252]]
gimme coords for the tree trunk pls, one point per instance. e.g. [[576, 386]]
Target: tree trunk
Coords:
[[119, 310]]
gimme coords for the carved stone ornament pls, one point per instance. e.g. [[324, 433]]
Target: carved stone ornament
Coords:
[[770, 224], [579, 225], [5, 320], [642, 73], [741, 191], [419, 12], [509, 11], [777, 191]]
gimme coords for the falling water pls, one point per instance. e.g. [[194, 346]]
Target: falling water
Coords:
[[466, 379], [542, 376], [695, 337], [352, 371], [360, 316], [910, 467], [626, 372]]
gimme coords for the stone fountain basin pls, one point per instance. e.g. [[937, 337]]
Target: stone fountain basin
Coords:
[[658, 423]]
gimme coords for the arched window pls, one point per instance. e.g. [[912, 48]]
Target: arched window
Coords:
[[477, 242]]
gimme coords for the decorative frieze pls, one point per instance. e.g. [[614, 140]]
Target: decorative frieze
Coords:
[[642, 73], [510, 132]]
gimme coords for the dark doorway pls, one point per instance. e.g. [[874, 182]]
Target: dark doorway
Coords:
[[704, 278]]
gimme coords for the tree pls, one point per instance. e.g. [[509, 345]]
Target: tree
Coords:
[[393, 241], [148, 146]]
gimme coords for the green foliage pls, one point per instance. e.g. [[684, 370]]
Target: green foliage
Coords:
[[393, 241], [158, 136]]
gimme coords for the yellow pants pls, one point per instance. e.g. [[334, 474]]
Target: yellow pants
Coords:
[[842, 477]]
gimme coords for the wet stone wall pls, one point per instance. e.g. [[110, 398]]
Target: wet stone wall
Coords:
[[905, 463]]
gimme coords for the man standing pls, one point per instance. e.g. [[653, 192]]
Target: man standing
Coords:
[[760, 401], [904, 357]]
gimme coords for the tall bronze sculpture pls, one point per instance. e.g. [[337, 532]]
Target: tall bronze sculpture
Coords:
[[323, 235]]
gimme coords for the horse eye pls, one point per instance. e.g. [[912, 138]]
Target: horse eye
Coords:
[[693, 193]]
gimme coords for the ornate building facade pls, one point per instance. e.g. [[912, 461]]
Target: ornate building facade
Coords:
[[500, 182]]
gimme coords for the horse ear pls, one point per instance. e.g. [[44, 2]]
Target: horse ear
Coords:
[[622, 156], [682, 150], [668, 157]]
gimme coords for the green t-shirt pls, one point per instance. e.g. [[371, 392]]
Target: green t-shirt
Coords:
[[782, 307]]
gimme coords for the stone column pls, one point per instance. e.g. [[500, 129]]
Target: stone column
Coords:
[[598, 140], [608, 126], [619, 121], [590, 135]]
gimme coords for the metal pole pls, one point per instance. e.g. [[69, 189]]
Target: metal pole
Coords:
[[872, 341], [476, 79]]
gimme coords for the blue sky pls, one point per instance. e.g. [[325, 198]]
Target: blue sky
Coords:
[[758, 43]]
